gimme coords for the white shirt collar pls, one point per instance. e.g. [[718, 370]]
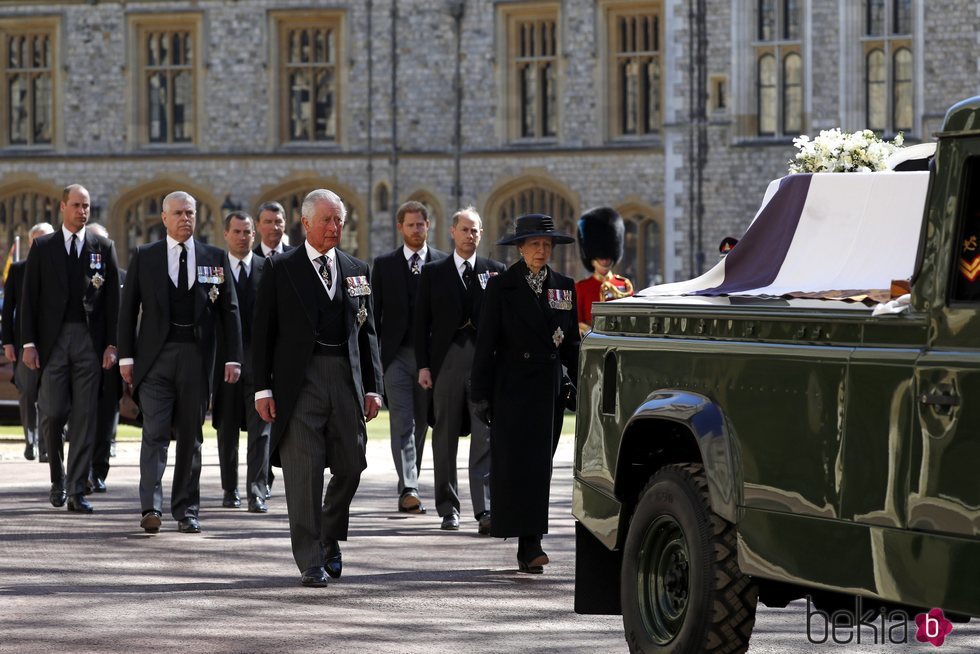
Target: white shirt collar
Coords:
[[314, 255], [408, 252], [172, 243], [267, 251], [459, 260], [247, 259], [67, 233]]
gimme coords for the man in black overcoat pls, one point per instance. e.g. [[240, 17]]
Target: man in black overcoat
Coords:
[[318, 375], [177, 301], [446, 319], [68, 324], [396, 279], [233, 407], [25, 379]]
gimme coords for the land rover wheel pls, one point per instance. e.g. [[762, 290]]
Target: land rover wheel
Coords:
[[682, 590]]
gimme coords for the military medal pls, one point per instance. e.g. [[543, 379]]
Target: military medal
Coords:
[[213, 294], [484, 277], [95, 261], [97, 280], [361, 315], [558, 337], [560, 299], [358, 286]]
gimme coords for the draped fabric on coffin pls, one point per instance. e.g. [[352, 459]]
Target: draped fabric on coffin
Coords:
[[827, 235]]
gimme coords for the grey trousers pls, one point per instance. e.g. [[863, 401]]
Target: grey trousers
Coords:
[[452, 399], [27, 382], [408, 408], [257, 454], [69, 391], [326, 428], [170, 399]]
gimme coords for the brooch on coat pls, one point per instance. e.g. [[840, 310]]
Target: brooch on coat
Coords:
[[558, 337], [484, 277], [361, 315], [560, 299], [95, 263], [214, 275], [358, 286]]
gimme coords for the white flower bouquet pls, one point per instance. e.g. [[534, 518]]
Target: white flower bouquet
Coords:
[[834, 151]]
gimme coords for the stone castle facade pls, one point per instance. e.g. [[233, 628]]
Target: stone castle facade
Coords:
[[509, 106]]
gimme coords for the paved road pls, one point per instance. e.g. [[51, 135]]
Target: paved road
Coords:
[[97, 583]]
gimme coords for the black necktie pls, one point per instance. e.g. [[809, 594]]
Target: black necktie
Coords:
[[467, 274], [413, 264], [325, 271], [242, 282], [182, 268], [72, 251]]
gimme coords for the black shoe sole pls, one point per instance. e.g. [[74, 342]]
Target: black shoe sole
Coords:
[[79, 509], [314, 583]]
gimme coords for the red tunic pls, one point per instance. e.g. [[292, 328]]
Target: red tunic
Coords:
[[587, 292]]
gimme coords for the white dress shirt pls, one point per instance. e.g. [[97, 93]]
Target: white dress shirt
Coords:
[[331, 255], [247, 260], [173, 260], [459, 264], [408, 252], [267, 251]]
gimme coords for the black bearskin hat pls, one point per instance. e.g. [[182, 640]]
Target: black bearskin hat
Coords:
[[601, 235]]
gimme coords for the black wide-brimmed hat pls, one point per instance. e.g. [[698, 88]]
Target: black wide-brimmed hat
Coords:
[[533, 225]]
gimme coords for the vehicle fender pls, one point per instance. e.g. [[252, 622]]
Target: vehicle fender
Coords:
[[673, 426]]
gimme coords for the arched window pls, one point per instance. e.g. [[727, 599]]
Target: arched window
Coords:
[[792, 94], [877, 98], [643, 255], [139, 216], [291, 197], [534, 199], [889, 68], [767, 95], [381, 202], [902, 91], [22, 207]]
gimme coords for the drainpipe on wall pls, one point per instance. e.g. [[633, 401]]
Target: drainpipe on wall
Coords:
[[697, 138], [369, 218], [394, 118], [456, 10]]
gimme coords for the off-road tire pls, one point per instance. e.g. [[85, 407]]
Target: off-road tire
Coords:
[[682, 591]]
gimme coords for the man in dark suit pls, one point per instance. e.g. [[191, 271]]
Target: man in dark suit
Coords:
[[68, 322], [233, 408], [25, 379], [271, 225], [446, 315], [107, 416], [319, 374], [396, 279], [177, 300]]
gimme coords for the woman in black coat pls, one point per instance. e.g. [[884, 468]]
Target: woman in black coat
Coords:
[[524, 369]]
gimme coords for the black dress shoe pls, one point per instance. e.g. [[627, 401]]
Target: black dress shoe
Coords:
[[30, 452], [42, 457], [89, 487], [257, 505], [231, 500], [98, 485], [409, 502], [78, 504], [150, 522], [189, 525], [484, 521], [268, 490], [334, 561], [314, 577], [450, 522], [530, 557], [58, 495]]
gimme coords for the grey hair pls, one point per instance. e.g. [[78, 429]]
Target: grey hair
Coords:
[[40, 228], [178, 195], [99, 230], [467, 211], [323, 195]]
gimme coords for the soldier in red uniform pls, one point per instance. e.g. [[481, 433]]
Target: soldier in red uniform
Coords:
[[601, 235]]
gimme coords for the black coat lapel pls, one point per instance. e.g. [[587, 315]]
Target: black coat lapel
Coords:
[[524, 302], [57, 255], [301, 274]]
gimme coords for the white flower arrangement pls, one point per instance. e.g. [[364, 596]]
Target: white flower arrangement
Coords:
[[834, 151]]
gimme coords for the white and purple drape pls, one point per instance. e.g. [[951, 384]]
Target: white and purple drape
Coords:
[[823, 235]]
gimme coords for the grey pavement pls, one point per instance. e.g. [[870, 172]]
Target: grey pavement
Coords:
[[71, 583]]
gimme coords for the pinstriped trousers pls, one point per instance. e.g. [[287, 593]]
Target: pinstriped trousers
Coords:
[[326, 429]]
